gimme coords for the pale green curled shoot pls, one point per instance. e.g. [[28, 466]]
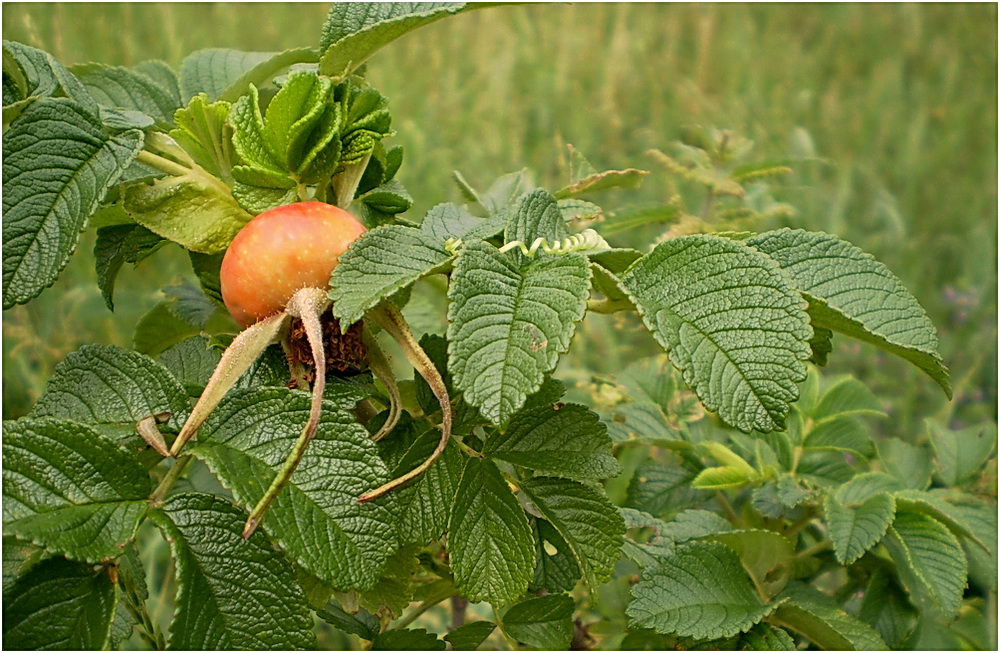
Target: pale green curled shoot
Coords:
[[587, 241]]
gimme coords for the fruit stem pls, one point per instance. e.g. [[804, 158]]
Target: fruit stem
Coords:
[[237, 359], [387, 316], [161, 163], [306, 304], [382, 369]]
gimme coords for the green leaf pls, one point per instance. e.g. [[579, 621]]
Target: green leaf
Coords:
[[246, 440], [508, 324], [702, 591], [232, 593], [766, 556], [556, 569], [930, 560], [856, 528], [662, 488], [43, 76], [591, 526], [569, 441], [535, 215], [448, 220], [163, 75], [193, 209], [58, 163], [224, 74], [489, 541], [909, 463], [111, 385], [206, 267], [18, 558], [840, 434], [292, 115], [729, 321], [963, 514], [161, 328], [379, 263], [362, 623], [847, 396], [765, 637], [819, 618], [959, 455], [412, 639], [117, 245], [394, 589], [116, 87], [659, 545], [57, 605], [545, 622], [886, 609], [354, 32], [70, 490], [192, 362], [852, 293], [205, 135], [468, 637]]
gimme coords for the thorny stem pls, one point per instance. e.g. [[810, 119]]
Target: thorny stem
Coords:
[[380, 367], [306, 304], [174, 473], [388, 317], [458, 605]]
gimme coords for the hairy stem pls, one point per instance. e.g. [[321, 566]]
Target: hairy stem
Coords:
[[380, 367], [306, 304], [388, 317], [162, 164]]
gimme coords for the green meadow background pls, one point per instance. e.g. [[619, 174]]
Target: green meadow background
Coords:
[[893, 106]]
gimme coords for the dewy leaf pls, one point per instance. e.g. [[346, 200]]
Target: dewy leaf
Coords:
[[701, 591], [508, 324], [316, 518], [70, 490], [116, 87], [468, 637], [586, 520], [378, 264], [856, 528], [569, 441], [224, 74], [59, 605], [819, 618], [930, 560], [194, 210], [232, 593], [852, 293], [489, 541], [58, 163], [111, 385], [354, 32], [730, 321], [545, 622]]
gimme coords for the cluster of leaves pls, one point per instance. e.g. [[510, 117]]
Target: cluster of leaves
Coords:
[[820, 535]]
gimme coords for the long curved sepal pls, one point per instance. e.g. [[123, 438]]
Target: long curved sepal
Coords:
[[306, 304], [242, 352], [388, 317], [382, 369]]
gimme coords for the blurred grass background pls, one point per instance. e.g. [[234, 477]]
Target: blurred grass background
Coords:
[[898, 103]]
